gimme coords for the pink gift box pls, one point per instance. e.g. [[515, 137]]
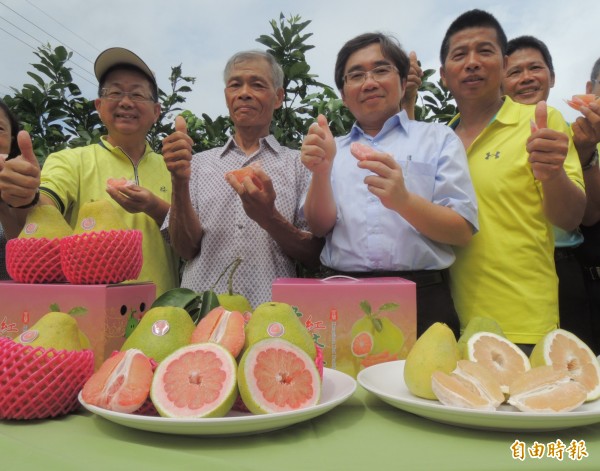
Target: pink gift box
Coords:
[[102, 311], [335, 311]]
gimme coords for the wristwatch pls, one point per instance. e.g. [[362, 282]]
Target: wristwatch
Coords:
[[592, 163], [35, 200]]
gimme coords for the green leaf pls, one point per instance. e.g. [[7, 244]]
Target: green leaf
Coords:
[[366, 307], [78, 311], [388, 307]]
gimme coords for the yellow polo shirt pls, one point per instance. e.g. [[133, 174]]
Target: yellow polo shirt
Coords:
[[72, 177], [507, 271]]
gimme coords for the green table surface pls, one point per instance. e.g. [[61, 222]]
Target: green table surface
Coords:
[[364, 433]]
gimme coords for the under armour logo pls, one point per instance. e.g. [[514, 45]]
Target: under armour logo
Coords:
[[489, 154]]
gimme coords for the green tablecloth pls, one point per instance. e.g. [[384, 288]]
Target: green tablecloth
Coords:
[[362, 434]]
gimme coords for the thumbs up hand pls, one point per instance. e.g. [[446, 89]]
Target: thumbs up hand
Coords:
[[177, 151], [20, 177], [318, 149], [547, 148]]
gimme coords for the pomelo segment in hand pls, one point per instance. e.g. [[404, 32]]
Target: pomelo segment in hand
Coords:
[[471, 386], [241, 173], [275, 375], [545, 389], [195, 381], [121, 384], [227, 328], [499, 355], [565, 351], [577, 101]]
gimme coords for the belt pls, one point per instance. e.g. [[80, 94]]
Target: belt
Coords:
[[421, 277], [562, 253], [592, 273]]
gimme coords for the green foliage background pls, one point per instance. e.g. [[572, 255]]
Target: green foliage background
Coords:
[[54, 112]]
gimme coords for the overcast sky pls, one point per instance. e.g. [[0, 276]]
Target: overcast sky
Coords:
[[201, 35]]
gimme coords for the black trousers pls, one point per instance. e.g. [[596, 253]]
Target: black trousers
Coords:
[[434, 301]]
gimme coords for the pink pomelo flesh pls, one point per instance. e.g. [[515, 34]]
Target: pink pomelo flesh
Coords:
[[121, 384], [278, 377], [195, 381], [223, 327]]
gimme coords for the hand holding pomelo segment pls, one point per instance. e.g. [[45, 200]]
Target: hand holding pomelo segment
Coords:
[[577, 101], [241, 174]]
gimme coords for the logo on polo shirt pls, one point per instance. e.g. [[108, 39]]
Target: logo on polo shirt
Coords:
[[496, 155]]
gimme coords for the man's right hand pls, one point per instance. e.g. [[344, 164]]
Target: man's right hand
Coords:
[[318, 148], [586, 132], [177, 151], [20, 177]]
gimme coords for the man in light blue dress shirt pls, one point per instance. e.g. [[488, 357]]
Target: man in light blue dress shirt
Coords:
[[394, 195]]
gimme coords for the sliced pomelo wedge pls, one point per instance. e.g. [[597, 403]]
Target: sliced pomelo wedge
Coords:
[[223, 327], [545, 389], [502, 357], [471, 385], [195, 381], [565, 351], [122, 382]]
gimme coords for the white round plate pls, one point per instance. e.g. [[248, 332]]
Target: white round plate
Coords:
[[386, 381], [337, 387]]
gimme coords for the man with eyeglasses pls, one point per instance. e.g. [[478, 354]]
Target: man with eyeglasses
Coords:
[[128, 106], [393, 196]]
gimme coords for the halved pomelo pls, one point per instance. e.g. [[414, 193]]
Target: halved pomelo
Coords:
[[223, 327], [122, 382], [362, 344], [471, 385], [277, 376], [195, 381], [565, 351], [545, 389], [499, 355]]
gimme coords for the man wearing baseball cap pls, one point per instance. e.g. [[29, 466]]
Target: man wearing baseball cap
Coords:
[[128, 107]]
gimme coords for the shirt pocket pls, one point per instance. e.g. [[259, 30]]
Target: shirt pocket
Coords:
[[419, 178]]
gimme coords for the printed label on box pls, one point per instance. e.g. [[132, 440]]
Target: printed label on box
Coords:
[[357, 322]]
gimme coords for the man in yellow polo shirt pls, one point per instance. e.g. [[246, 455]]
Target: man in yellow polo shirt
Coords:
[[128, 106], [527, 177]]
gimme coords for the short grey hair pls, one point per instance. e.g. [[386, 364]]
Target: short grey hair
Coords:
[[276, 70], [595, 71]]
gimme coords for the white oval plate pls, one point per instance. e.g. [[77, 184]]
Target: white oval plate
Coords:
[[337, 387], [386, 381]]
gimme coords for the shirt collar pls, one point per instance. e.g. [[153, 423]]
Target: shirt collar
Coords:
[[267, 140], [118, 150], [398, 121]]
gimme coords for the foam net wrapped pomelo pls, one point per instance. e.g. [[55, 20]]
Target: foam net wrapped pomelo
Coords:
[[38, 383], [34, 260], [102, 257]]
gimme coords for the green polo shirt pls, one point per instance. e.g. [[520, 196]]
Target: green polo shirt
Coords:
[[72, 177]]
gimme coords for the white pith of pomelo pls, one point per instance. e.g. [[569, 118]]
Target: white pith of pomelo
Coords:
[[564, 350], [499, 355], [275, 375], [195, 381], [471, 385]]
